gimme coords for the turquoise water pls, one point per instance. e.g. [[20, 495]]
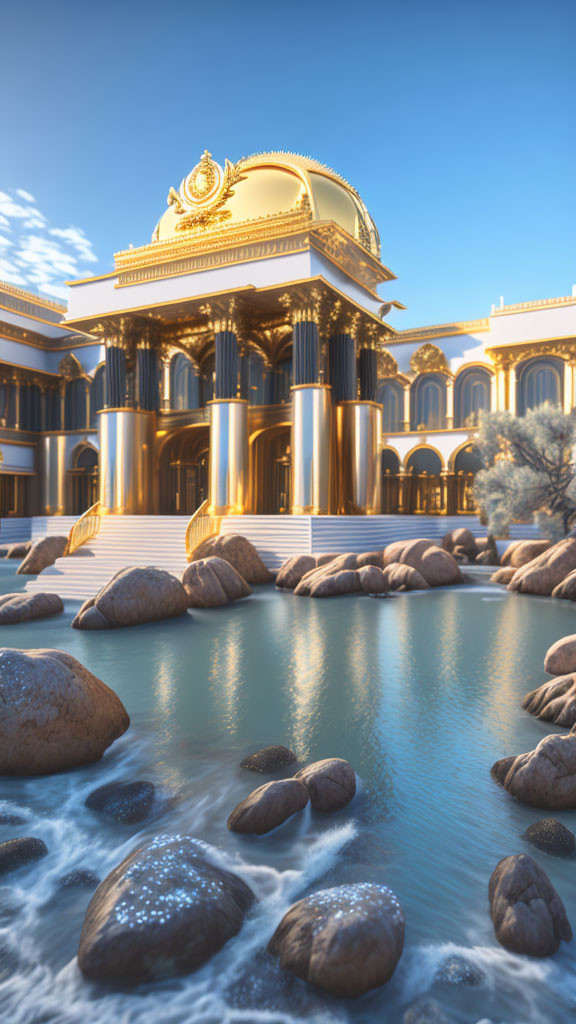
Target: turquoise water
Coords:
[[421, 693]]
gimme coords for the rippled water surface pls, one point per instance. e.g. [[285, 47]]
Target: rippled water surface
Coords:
[[420, 692]]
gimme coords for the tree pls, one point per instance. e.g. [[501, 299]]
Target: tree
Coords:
[[529, 472]]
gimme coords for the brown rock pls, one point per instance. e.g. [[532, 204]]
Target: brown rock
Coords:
[[437, 566], [268, 807], [19, 550], [527, 912], [566, 590], [340, 563], [237, 550], [520, 552], [164, 911], [347, 940], [43, 553], [211, 582], [60, 716], [370, 558], [554, 701], [544, 777], [131, 597], [270, 759], [23, 607], [546, 571], [503, 575], [465, 539], [404, 577], [561, 656], [334, 584], [293, 569], [331, 784], [416, 548], [372, 580]]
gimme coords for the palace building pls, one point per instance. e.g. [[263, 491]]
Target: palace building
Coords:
[[241, 363]]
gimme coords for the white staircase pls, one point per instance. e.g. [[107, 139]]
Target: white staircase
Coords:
[[122, 541]]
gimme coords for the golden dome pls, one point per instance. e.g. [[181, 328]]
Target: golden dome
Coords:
[[264, 185]]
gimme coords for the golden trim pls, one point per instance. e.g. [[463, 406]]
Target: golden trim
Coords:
[[527, 307], [28, 316], [21, 293], [6, 471], [423, 446], [124, 408], [19, 444], [88, 280], [436, 331], [223, 401], [301, 387]]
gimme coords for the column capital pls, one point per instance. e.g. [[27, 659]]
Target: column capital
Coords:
[[305, 305]]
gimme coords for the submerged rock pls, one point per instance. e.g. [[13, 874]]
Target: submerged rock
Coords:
[[42, 554], [551, 836], [80, 878], [134, 596], [547, 570], [554, 701], [212, 582], [15, 853], [16, 608], [457, 970], [126, 802], [18, 550], [164, 911], [561, 657], [7, 818], [426, 1011], [544, 777], [527, 912], [61, 715], [331, 784], [268, 807], [269, 759], [347, 940], [239, 552]]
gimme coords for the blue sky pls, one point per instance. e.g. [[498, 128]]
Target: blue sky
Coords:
[[455, 121]]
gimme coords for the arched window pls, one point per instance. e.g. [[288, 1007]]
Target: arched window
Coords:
[[471, 396], [97, 394], [539, 381], [424, 460], [429, 402], [390, 461], [390, 396], [184, 383], [467, 460], [75, 404]]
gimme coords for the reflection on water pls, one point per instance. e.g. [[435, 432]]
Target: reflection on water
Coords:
[[420, 692]]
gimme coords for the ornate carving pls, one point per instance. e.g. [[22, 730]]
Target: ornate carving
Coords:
[[506, 357], [387, 365], [203, 194], [428, 359], [69, 368]]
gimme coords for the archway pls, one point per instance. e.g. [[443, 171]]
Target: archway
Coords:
[[539, 381], [466, 464], [428, 402], [424, 485], [270, 466], [390, 396], [471, 396], [83, 479], [390, 481], [183, 471]]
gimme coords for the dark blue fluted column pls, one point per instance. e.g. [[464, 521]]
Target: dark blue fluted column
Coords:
[[226, 364], [305, 346], [368, 373], [115, 377], [148, 379], [342, 358]]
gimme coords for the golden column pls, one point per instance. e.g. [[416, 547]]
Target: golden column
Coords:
[[229, 479], [359, 438]]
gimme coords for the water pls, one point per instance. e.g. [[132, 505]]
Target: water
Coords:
[[421, 693]]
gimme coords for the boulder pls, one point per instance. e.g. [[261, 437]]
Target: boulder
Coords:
[[293, 569], [551, 836], [457, 970], [211, 582], [503, 575], [164, 911], [460, 556], [341, 575], [566, 589], [16, 608], [465, 539], [404, 577], [437, 566], [15, 853], [554, 701], [346, 940], [79, 879], [520, 552], [334, 584], [372, 580], [60, 714], [544, 573], [270, 759], [331, 784], [268, 807], [43, 553], [19, 550], [340, 563], [394, 552], [561, 657], [7, 818], [370, 558], [239, 552], [427, 1011], [131, 597], [527, 912], [126, 802], [544, 777]]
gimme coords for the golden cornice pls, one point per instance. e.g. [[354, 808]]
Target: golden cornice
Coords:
[[36, 300], [505, 357], [23, 371], [443, 330]]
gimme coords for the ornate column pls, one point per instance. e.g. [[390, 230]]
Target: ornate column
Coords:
[[165, 382], [147, 372], [115, 373], [512, 390], [229, 479], [311, 410], [359, 442], [449, 403], [568, 397], [494, 391], [16, 403], [407, 394], [87, 386]]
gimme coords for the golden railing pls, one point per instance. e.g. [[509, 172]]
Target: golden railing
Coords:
[[201, 525], [84, 529]]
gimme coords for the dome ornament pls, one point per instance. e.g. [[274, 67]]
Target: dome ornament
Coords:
[[203, 193]]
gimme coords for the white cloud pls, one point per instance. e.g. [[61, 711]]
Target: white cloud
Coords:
[[37, 255]]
